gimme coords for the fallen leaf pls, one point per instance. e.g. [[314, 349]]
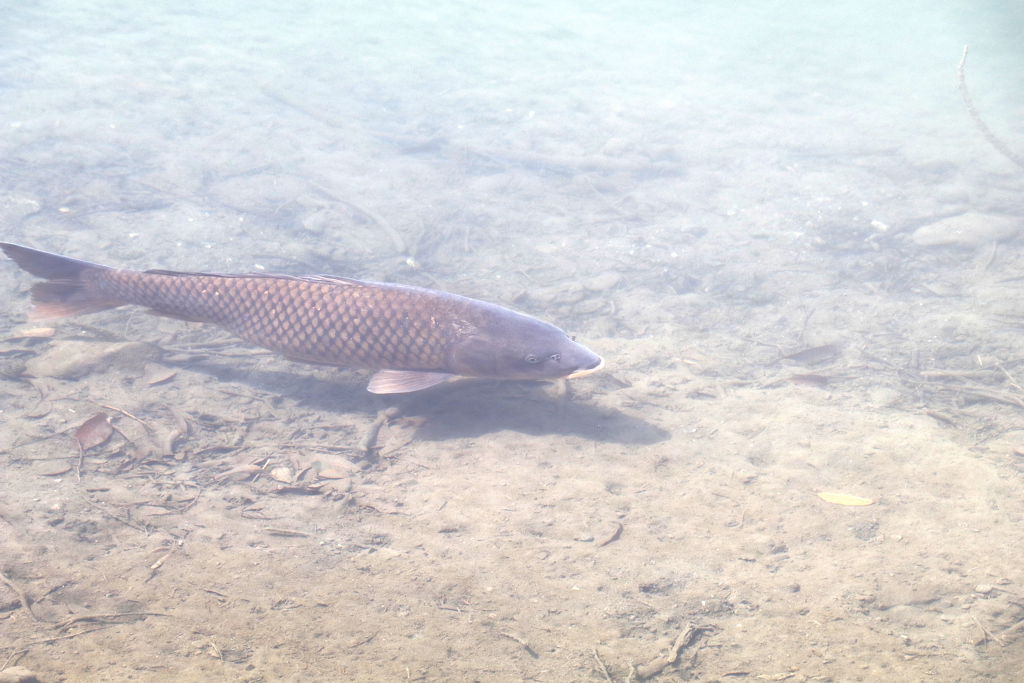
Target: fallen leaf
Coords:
[[43, 407], [154, 511], [93, 432], [239, 473], [614, 536], [844, 499], [34, 333], [816, 355], [40, 409], [329, 463], [282, 474], [339, 486], [311, 490], [811, 380], [155, 374]]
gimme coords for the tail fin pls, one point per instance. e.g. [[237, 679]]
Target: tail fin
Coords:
[[66, 292]]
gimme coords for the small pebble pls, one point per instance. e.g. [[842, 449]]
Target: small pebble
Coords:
[[589, 306], [18, 674], [968, 230], [984, 588], [603, 282]]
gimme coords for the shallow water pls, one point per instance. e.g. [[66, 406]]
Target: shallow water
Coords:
[[704, 195]]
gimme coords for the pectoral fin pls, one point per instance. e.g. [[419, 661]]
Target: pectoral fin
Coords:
[[586, 371], [404, 381]]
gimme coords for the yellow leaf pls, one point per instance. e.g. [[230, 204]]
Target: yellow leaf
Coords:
[[844, 499], [34, 333]]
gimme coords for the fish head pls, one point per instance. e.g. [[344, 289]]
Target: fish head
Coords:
[[530, 349]]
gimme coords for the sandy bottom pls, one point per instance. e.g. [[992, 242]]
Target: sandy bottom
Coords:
[[256, 520], [727, 210]]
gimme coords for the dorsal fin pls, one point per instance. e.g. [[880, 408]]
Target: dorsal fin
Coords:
[[333, 279], [330, 279]]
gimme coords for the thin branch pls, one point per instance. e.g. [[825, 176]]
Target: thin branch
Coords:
[[985, 130], [21, 595]]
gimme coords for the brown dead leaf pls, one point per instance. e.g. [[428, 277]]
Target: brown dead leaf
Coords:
[[239, 473], [338, 486], [157, 374], [333, 474], [138, 451], [55, 470], [40, 409], [282, 474], [311, 490], [816, 355], [43, 406], [93, 432], [844, 499], [333, 467], [810, 379], [34, 333]]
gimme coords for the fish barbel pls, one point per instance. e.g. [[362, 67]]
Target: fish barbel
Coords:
[[413, 337]]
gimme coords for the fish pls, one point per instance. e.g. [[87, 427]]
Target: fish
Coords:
[[411, 337]]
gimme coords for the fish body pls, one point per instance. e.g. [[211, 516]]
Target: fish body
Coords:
[[413, 337]]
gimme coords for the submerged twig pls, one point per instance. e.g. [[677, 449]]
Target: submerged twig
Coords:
[[286, 532], [20, 593], [11, 658], [687, 637], [997, 397], [112, 618], [985, 130], [522, 641], [69, 635], [600, 663], [127, 522], [986, 634], [369, 440], [126, 414]]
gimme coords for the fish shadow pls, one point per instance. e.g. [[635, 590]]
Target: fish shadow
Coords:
[[457, 410], [469, 409]]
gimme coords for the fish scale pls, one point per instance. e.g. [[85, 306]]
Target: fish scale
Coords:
[[413, 337], [333, 322]]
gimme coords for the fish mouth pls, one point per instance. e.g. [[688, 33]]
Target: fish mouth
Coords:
[[586, 371]]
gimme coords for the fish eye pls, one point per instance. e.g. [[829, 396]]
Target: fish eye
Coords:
[[555, 357], [532, 358]]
